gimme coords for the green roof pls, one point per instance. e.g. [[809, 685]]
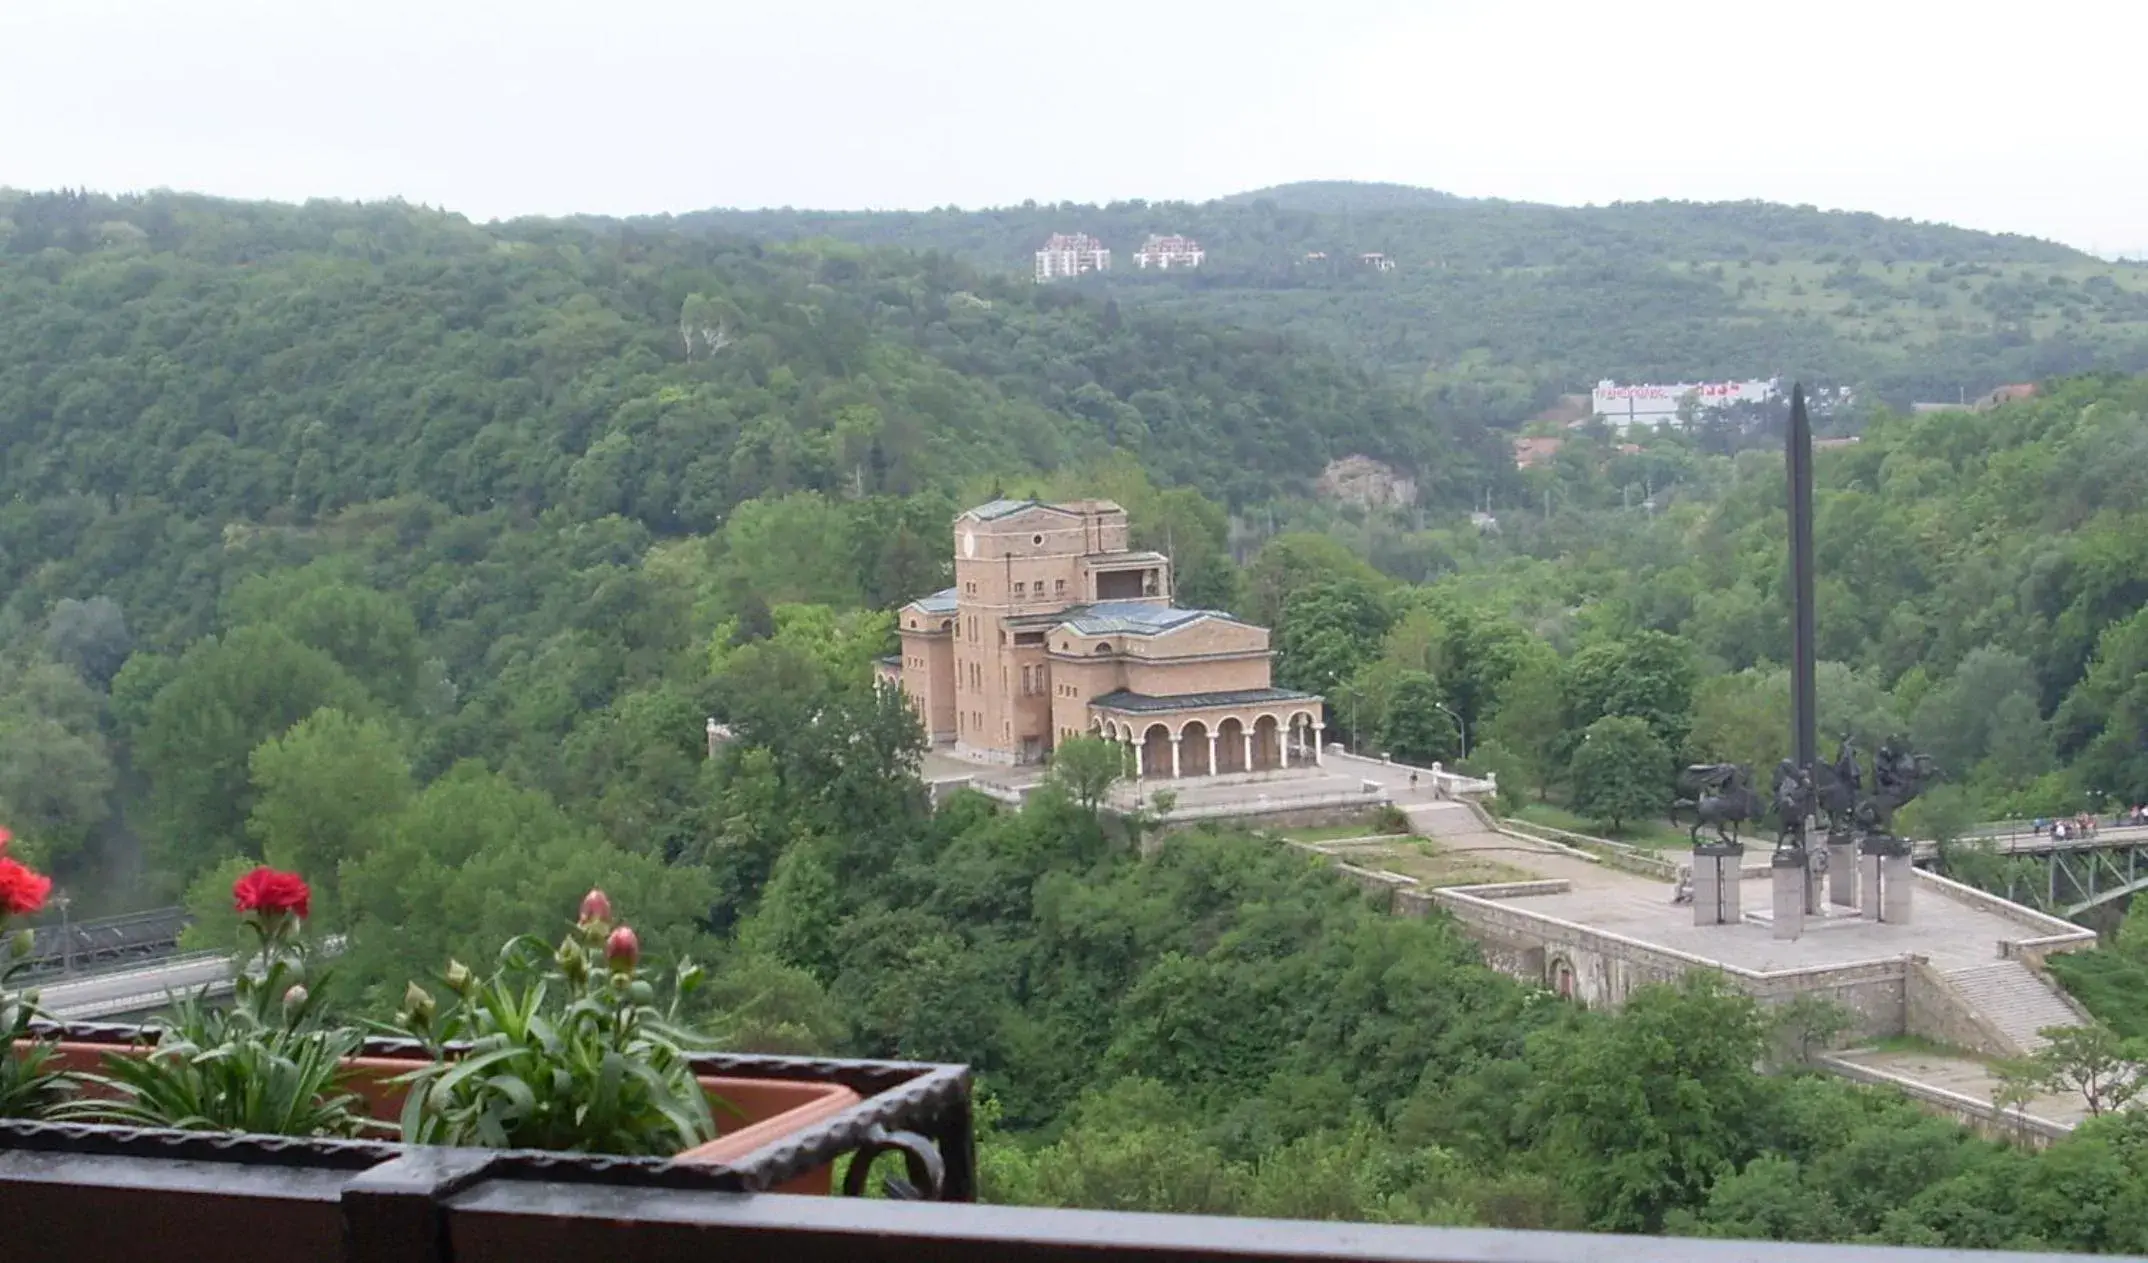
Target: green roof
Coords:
[[1004, 508]]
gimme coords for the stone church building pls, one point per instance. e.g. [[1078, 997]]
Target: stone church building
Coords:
[[1055, 628]]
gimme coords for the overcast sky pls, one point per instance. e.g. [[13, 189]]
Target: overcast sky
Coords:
[[2029, 118]]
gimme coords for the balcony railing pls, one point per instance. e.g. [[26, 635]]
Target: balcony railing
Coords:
[[190, 1198], [88, 1194]]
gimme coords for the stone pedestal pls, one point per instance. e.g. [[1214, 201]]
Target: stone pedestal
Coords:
[[1896, 883], [1883, 865], [1868, 873], [1716, 870], [1815, 882], [1842, 873], [1792, 879]]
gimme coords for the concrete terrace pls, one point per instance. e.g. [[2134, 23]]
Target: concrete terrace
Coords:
[[1947, 930]]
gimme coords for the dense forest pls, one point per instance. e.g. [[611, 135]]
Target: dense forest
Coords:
[[413, 556], [1494, 308]]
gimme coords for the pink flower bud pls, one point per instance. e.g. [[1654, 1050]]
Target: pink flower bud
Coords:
[[622, 949], [596, 906]]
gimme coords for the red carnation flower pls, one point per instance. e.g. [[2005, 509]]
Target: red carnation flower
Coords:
[[267, 891], [22, 892], [623, 949]]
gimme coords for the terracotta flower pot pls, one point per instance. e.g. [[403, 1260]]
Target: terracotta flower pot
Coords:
[[750, 1112]]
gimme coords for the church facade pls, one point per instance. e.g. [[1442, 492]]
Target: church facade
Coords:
[[1055, 628]]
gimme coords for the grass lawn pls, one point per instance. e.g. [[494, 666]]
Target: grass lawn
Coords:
[[1329, 832], [1428, 863], [1651, 833]]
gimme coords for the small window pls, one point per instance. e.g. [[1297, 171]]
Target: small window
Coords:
[[1036, 539], [1059, 587], [1020, 590]]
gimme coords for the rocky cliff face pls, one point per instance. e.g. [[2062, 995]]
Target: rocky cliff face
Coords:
[[1366, 483]]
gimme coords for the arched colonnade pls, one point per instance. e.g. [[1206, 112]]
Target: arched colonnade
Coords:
[[1171, 747]]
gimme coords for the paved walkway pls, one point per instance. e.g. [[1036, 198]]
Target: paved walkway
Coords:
[[1966, 1075]]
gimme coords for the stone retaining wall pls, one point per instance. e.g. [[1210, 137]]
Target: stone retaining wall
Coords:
[[1982, 1117], [1601, 969]]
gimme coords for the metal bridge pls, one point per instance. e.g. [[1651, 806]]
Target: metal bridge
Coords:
[[106, 941], [2065, 877], [136, 989]]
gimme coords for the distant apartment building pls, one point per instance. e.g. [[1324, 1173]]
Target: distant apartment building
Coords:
[[1376, 261], [1624, 407], [1072, 254], [1165, 253]]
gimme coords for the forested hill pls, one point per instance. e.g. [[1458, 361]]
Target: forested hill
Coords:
[[237, 360], [1498, 306]]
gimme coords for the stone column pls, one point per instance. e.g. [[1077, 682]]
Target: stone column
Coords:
[[1791, 878], [1174, 756], [1841, 872], [1319, 738], [1247, 734], [1214, 768], [1139, 770], [1815, 881]]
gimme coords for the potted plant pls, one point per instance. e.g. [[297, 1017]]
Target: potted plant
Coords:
[[268, 1064], [564, 1050], [568, 1049], [32, 1082]]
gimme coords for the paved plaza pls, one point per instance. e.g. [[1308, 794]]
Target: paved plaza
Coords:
[[1951, 934]]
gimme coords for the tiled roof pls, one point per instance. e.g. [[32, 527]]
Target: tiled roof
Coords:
[[940, 602], [1135, 618], [1144, 702]]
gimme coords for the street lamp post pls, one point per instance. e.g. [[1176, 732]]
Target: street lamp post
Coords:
[[1459, 727], [1356, 694], [67, 937]]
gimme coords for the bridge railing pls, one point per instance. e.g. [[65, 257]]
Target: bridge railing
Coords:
[[102, 940]]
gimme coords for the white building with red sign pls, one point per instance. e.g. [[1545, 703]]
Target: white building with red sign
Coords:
[[1165, 253], [1072, 254], [1624, 407]]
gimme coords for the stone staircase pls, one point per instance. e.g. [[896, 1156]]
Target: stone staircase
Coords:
[[1443, 820], [2014, 1000]]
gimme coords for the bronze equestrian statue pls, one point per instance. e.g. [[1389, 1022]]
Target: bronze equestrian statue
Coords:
[[1720, 794]]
